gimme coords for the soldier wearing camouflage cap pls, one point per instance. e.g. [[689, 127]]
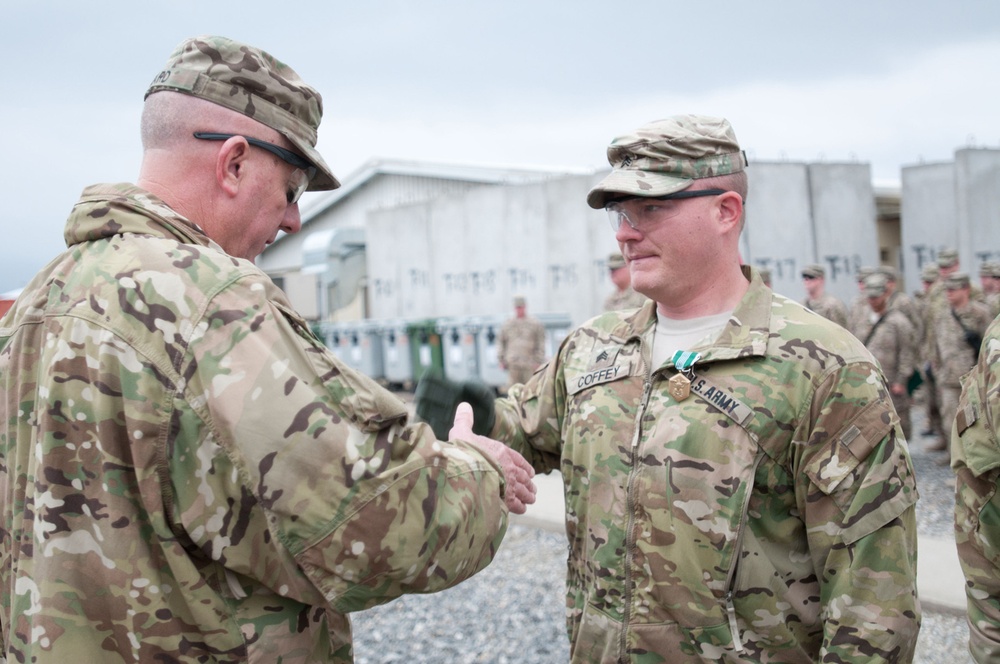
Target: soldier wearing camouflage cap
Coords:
[[737, 485], [189, 474], [858, 308], [989, 280], [817, 299], [956, 335], [888, 333], [624, 297], [521, 346]]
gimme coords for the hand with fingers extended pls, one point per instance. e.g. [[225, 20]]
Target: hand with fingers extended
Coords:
[[517, 471]]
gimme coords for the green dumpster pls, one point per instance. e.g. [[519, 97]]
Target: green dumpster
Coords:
[[425, 348]]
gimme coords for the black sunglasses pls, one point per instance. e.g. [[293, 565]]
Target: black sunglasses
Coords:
[[296, 160]]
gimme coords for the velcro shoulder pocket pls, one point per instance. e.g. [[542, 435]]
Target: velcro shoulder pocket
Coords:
[[850, 446]]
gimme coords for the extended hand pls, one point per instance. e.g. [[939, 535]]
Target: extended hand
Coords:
[[517, 471]]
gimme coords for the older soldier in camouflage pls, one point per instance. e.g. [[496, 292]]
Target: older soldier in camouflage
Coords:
[[956, 332], [975, 457], [521, 348], [737, 487], [889, 335], [186, 473], [624, 296]]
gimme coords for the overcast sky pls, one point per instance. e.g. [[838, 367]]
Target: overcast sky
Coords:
[[543, 83]]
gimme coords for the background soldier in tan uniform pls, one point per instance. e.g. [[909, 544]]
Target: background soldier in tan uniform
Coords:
[[859, 308], [989, 280], [521, 348], [929, 275], [956, 334], [889, 335], [827, 306], [624, 296], [186, 473]]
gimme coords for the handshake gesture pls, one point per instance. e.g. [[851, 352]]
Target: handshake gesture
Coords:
[[517, 471]]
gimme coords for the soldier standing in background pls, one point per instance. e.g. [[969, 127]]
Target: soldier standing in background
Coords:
[[827, 306], [929, 275], [899, 300], [859, 308], [889, 335], [989, 280], [956, 334], [521, 348], [624, 296], [187, 472]]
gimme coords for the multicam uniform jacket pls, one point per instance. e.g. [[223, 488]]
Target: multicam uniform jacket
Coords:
[[768, 516], [975, 456], [187, 474]]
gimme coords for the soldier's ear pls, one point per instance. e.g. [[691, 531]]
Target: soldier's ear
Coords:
[[730, 207], [231, 165]]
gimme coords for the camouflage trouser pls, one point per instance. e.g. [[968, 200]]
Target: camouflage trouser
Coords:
[[932, 405], [519, 373], [949, 405], [901, 403]]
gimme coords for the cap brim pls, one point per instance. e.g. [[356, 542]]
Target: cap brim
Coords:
[[324, 180], [624, 182]]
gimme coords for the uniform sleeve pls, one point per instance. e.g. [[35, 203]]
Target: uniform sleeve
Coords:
[[907, 351], [304, 475], [975, 454], [857, 494], [529, 418]]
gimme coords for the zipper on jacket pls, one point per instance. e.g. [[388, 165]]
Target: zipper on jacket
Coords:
[[734, 628], [647, 390]]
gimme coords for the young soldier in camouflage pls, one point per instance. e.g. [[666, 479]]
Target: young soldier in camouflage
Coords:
[[975, 456], [737, 488], [186, 473]]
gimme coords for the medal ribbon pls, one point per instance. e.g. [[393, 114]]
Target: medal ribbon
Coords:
[[684, 360]]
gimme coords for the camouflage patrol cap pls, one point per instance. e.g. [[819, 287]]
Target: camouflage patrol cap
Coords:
[[519, 301], [616, 261], [876, 284], [990, 269], [947, 258], [889, 272], [814, 271], [666, 156], [252, 82], [930, 273], [957, 280], [864, 271]]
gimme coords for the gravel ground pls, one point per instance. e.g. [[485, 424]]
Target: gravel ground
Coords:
[[513, 610]]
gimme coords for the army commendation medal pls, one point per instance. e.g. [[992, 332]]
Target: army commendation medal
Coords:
[[679, 386]]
